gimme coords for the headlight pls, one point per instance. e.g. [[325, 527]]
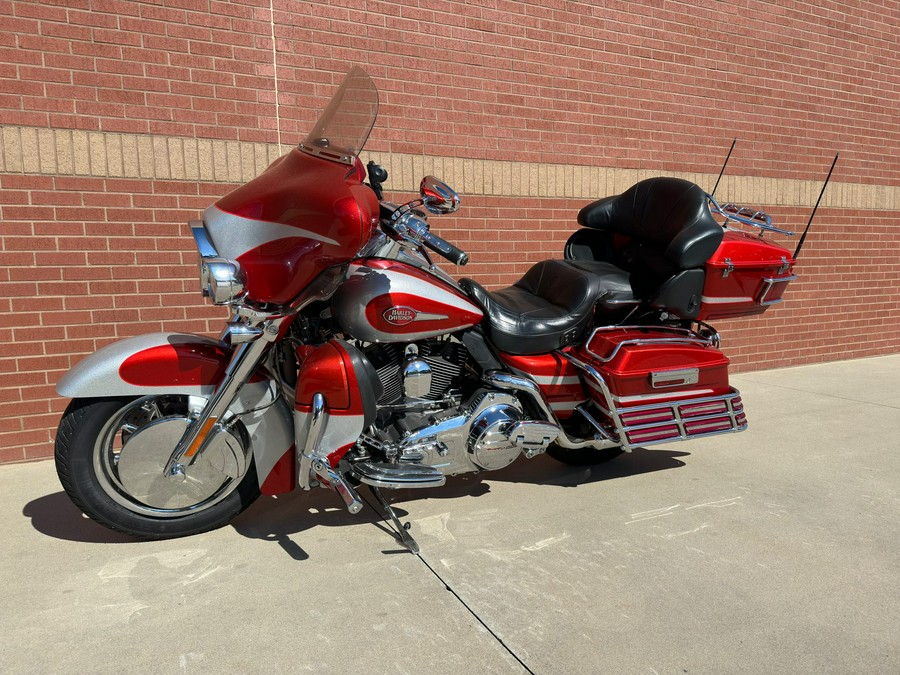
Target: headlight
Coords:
[[221, 280]]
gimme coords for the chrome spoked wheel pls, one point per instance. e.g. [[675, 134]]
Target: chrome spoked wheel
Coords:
[[110, 456], [133, 447]]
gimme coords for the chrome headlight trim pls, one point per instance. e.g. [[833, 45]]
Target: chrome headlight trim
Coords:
[[221, 280]]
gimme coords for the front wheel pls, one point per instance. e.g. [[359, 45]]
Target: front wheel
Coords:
[[583, 456], [110, 455]]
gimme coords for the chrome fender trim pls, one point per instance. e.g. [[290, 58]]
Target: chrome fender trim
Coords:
[[269, 424]]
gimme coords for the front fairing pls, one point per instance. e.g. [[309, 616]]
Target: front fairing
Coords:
[[300, 216], [309, 210]]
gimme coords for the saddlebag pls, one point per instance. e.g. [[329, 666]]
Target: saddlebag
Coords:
[[654, 385]]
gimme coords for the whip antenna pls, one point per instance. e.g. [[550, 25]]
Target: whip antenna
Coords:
[[815, 208], [723, 168]]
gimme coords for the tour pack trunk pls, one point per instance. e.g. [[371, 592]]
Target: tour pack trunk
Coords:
[[745, 276]]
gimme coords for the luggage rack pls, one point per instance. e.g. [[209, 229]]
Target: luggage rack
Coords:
[[665, 421], [746, 216]]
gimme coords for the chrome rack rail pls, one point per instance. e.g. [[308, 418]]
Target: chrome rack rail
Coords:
[[746, 216], [682, 336]]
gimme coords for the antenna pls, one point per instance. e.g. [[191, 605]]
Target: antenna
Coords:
[[723, 168], [815, 208]]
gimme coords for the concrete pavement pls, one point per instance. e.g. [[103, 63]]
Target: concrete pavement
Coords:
[[774, 550]]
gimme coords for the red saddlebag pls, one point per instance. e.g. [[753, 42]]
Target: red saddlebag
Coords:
[[657, 385]]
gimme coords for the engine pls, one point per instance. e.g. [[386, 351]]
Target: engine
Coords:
[[429, 416], [427, 370]]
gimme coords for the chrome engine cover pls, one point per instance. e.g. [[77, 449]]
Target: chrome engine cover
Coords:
[[490, 444], [474, 437]]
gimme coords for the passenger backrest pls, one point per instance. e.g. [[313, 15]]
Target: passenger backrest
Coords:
[[668, 215], [671, 234]]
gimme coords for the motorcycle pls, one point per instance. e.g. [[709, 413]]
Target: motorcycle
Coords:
[[351, 359]]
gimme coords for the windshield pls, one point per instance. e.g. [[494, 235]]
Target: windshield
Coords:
[[343, 128]]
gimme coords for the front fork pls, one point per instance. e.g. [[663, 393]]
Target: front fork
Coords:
[[255, 337], [254, 332]]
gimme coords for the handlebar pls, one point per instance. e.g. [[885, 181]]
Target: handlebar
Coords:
[[445, 248], [409, 227]]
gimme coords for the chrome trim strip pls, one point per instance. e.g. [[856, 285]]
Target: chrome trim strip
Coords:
[[327, 153], [718, 301], [662, 379], [768, 284]]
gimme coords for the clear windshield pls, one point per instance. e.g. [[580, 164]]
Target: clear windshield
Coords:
[[343, 128]]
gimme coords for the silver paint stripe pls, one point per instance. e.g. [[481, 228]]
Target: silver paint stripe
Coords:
[[235, 235], [666, 396], [555, 380], [566, 405]]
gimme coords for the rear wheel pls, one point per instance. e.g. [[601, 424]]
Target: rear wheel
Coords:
[[583, 456], [110, 456]]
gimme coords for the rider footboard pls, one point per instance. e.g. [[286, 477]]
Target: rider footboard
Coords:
[[656, 385]]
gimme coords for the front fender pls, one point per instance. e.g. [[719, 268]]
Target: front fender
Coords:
[[181, 363]]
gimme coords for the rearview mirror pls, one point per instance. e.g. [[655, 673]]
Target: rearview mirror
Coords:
[[437, 196]]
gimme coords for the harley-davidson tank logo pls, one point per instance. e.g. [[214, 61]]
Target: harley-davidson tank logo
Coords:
[[400, 316]]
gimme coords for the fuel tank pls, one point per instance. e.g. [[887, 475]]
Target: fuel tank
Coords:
[[391, 301], [300, 216]]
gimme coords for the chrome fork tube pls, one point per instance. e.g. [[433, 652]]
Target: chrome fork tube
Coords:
[[244, 360]]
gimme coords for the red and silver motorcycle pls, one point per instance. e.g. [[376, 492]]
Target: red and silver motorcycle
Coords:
[[350, 359]]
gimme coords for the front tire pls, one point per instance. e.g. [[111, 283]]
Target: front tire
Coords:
[[110, 453]]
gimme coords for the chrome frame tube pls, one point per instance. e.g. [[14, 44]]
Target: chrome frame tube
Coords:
[[506, 381], [306, 454]]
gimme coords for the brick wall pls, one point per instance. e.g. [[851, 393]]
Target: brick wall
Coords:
[[123, 120]]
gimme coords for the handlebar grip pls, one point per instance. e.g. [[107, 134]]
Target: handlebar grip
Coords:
[[445, 248]]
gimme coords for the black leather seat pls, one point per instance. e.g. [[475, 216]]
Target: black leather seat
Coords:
[[615, 284], [549, 307]]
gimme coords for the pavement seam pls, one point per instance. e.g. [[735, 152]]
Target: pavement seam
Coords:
[[456, 595], [474, 614], [818, 393]]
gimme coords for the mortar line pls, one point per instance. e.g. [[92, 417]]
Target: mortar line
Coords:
[[275, 71]]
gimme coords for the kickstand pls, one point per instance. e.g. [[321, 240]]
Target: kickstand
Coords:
[[402, 528]]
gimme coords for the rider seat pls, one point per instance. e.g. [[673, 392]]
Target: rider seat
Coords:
[[549, 307]]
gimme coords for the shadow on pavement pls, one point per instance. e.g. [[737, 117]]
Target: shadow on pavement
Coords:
[[276, 518], [56, 516]]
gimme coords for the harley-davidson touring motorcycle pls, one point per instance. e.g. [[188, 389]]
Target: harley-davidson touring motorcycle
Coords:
[[351, 359]]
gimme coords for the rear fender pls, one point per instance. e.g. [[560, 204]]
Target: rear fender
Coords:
[[179, 363]]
